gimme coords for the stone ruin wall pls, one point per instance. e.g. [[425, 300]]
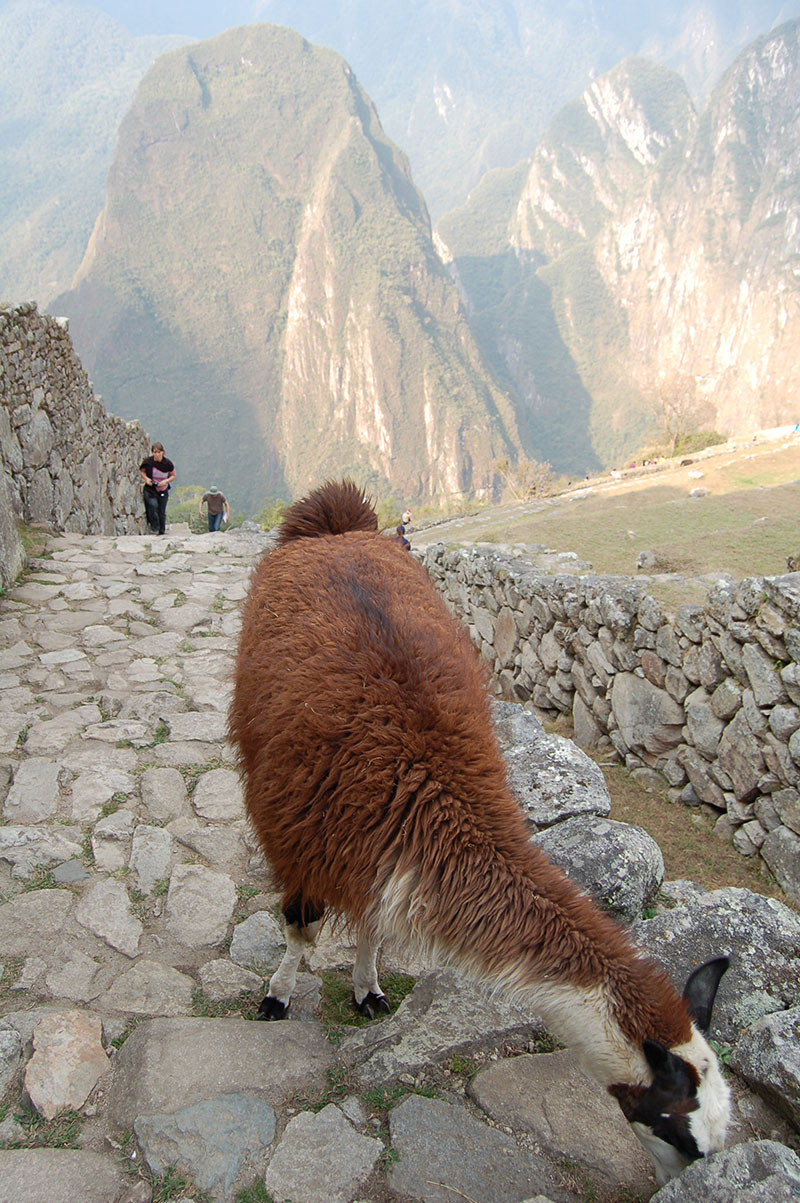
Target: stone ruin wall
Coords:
[[708, 698], [67, 463]]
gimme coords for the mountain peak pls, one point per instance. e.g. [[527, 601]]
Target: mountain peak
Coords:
[[264, 267]]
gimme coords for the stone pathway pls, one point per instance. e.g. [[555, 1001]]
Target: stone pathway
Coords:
[[138, 922]]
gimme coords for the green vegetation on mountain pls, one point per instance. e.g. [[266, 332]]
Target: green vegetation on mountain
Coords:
[[480, 226], [262, 291]]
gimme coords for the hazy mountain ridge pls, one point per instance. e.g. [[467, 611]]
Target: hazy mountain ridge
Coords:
[[706, 264], [285, 301], [461, 88], [661, 244], [67, 75], [596, 152], [262, 290], [467, 87]]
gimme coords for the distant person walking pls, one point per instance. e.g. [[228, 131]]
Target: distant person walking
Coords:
[[217, 503], [158, 473]]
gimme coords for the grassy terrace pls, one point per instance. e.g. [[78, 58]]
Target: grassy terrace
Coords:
[[746, 525]]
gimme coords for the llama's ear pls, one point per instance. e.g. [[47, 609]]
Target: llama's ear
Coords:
[[701, 990], [667, 1066], [658, 1057], [672, 1083]]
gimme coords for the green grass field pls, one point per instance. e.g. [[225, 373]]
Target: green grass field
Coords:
[[746, 525]]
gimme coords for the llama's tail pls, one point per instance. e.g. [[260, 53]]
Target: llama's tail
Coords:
[[333, 508]]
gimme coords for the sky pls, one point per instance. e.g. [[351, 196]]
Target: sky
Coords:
[[204, 18]]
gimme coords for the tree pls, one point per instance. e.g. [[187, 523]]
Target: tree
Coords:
[[271, 512], [525, 479], [681, 414]]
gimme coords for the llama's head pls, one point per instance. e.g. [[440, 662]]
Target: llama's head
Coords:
[[684, 1112]]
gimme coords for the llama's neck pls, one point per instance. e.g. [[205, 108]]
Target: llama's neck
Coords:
[[583, 1019], [531, 936]]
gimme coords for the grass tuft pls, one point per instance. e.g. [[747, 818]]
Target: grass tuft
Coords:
[[173, 1185], [338, 1010], [245, 1005], [340, 1081], [61, 1132], [257, 1193], [40, 879]]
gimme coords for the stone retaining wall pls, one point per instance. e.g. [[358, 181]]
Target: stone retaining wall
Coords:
[[69, 465], [709, 697]]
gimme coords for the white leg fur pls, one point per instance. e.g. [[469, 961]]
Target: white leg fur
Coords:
[[298, 940], [365, 971]]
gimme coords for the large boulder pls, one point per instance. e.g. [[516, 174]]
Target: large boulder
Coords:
[[768, 1057], [550, 776], [649, 720], [542, 1094], [620, 865], [166, 1064], [760, 1171], [762, 938], [781, 852], [444, 1016], [446, 1154]]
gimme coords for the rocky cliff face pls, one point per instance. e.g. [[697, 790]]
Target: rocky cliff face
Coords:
[[661, 245], [704, 262], [460, 87], [596, 153], [261, 288]]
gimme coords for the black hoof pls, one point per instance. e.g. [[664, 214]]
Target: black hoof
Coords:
[[272, 1008], [372, 1005]]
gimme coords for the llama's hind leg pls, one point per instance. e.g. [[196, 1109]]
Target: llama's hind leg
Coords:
[[367, 994], [302, 921]]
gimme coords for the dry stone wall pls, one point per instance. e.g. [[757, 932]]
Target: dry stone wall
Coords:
[[12, 553], [68, 464], [708, 697]]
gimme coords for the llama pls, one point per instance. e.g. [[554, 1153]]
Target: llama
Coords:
[[374, 780]]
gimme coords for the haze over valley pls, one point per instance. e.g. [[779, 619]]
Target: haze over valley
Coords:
[[256, 276]]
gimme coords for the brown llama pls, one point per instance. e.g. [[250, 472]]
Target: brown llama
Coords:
[[373, 777]]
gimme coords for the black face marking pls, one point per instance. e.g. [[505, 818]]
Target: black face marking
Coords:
[[665, 1105], [675, 1130]]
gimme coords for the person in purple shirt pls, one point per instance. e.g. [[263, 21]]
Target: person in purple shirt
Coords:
[[158, 473]]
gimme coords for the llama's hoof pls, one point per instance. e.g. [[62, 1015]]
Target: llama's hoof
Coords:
[[272, 1008], [372, 1005]]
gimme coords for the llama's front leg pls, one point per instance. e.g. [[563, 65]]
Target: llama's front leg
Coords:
[[302, 922], [367, 993]]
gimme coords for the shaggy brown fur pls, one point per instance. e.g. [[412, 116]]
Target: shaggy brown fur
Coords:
[[362, 722]]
